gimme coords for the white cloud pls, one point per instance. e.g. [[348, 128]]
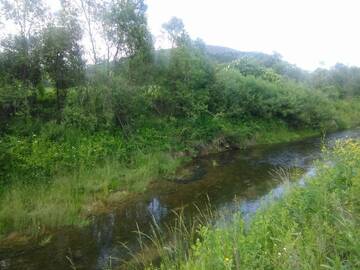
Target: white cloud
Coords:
[[305, 32]]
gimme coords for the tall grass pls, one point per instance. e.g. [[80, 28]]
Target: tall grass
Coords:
[[67, 199], [166, 242], [315, 226]]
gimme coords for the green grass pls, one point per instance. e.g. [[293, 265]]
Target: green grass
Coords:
[[33, 208], [56, 177], [266, 132], [311, 227]]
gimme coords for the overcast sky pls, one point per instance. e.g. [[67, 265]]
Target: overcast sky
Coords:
[[308, 33]]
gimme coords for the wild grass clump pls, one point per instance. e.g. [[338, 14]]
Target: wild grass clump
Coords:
[[65, 200], [171, 241], [315, 226]]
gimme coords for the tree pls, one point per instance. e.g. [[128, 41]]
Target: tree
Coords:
[[185, 75], [176, 32], [127, 37], [62, 58], [89, 14], [339, 81], [21, 58], [127, 29], [27, 15], [88, 8]]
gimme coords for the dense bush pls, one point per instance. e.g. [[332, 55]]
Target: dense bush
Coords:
[[184, 78], [239, 96], [56, 150]]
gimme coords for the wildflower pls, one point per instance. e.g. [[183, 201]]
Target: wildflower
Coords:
[[279, 253]]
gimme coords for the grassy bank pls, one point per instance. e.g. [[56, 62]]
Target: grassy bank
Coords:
[[315, 226], [56, 178]]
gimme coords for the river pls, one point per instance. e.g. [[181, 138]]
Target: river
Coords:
[[232, 181]]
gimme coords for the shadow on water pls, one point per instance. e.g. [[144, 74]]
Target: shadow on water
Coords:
[[245, 175]]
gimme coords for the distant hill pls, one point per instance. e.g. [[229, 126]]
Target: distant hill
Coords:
[[224, 55]]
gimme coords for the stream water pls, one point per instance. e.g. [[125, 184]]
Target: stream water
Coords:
[[247, 175]]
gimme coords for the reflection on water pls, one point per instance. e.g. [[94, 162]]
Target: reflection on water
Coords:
[[245, 175], [157, 210], [103, 233]]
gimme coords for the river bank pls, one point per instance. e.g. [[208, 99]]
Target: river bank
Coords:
[[313, 226], [71, 199], [244, 175]]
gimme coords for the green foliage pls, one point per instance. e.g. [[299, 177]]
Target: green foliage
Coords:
[[14, 100], [272, 62], [184, 83], [342, 80], [251, 67], [239, 96], [127, 27], [347, 113], [175, 30], [54, 151], [89, 108], [62, 56], [21, 61]]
